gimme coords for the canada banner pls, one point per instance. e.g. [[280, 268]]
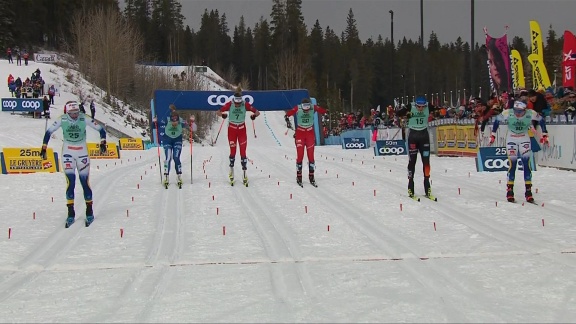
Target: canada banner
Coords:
[[569, 60]]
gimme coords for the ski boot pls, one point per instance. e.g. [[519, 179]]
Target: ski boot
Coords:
[[510, 193], [245, 179], [311, 168], [312, 180], [528, 193], [427, 189], [71, 215], [166, 182], [179, 181], [89, 214], [231, 175], [410, 187], [299, 174]]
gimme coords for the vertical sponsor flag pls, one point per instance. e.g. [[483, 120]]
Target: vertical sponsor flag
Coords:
[[536, 58], [517, 70], [569, 60], [498, 62]]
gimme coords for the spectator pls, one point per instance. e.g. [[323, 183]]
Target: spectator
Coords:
[[82, 109], [538, 103], [51, 93], [18, 57], [571, 107], [46, 107], [92, 109], [25, 55], [9, 55]]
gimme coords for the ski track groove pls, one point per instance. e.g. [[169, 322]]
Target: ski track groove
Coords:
[[59, 242], [165, 250], [475, 222], [278, 247], [374, 231]]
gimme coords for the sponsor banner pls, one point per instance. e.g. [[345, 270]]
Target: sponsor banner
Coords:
[[45, 58], [569, 60], [28, 160], [21, 104], [456, 140], [94, 151], [131, 144], [561, 151], [517, 70], [354, 143], [390, 147], [495, 159]]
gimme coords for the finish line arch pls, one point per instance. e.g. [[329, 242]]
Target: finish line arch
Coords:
[[268, 100]]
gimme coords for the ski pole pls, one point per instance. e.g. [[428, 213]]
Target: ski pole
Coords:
[[191, 140], [254, 129], [158, 142], [218, 132]]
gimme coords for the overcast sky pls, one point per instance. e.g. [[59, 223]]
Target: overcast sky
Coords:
[[448, 18]]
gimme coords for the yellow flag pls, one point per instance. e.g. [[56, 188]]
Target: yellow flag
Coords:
[[540, 79], [517, 70], [536, 40]]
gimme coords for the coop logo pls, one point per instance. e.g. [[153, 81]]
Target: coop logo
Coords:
[[391, 150], [355, 145], [9, 104], [390, 147], [215, 100], [501, 164], [31, 104]]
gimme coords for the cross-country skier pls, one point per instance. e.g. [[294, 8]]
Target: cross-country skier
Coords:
[[305, 136], [518, 143], [237, 109], [418, 141], [172, 143], [75, 155]]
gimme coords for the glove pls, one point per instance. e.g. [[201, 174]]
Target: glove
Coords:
[[253, 117], [409, 114], [43, 152], [224, 116], [492, 138], [103, 149], [544, 139]]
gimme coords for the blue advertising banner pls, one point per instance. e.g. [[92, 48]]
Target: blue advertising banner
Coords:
[[390, 147], [495, 159], [354, 143], [21, 104]]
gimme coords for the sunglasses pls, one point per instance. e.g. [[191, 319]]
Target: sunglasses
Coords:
[[237, 100], [174, 118], [572, 97]]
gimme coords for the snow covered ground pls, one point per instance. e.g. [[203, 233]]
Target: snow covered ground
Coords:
[[356, 249]]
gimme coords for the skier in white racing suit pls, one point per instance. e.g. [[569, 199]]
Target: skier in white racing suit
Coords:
[[75, 154]]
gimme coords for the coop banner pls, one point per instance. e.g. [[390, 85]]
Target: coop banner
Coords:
[[28, 160], [21, 104], [131, 144], [112, 151], [495, 159]]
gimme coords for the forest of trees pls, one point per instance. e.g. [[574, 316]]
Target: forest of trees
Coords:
[[278, 52]]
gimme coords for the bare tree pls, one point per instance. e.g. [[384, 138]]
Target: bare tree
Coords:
[[291, 71]]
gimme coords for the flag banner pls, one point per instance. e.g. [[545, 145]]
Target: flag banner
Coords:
[[540, 79], [517, 70], [498, 63], [536, 46], [569, 60]]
